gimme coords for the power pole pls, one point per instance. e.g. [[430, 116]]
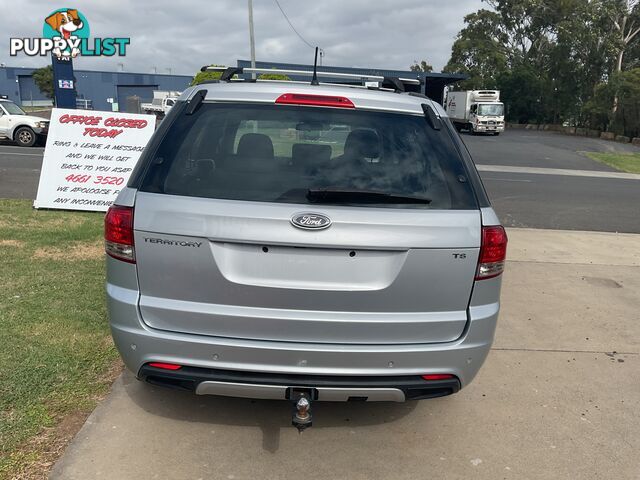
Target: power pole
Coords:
[[251, 38]]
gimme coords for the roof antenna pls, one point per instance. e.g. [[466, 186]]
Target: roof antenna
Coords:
[[314, 79]]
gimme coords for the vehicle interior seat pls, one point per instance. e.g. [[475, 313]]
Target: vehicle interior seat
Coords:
[[254, 165], [309, 158]]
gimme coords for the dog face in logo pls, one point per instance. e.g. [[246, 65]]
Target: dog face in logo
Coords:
[[65, 22]]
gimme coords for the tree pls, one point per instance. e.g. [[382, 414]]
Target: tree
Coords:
[[206, 76], [579, 57], [626, 118], [43, 78], [625, 20], [273, 76], [632, 56], [597, 110], [625, 86], [550, 58], [423, 66], [521, 88], [479, 50]]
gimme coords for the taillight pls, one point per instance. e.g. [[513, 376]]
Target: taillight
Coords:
[[118, 233], [315, 100], [493, 252], [438, 376], [165, 366]]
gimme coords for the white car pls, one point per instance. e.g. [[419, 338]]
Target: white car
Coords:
[[16, 125]]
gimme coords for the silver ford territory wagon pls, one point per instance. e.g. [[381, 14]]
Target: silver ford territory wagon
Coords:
[[282, 240]]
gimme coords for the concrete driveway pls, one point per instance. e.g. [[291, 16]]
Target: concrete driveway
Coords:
[[558, 397]]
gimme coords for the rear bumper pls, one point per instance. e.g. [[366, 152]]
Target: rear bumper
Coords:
[[207, 381], [138, 345]]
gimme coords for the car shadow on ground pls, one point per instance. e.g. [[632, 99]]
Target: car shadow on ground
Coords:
[[271, 416]]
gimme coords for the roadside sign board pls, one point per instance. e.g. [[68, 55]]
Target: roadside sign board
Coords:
[[63, 82], [89, 157]]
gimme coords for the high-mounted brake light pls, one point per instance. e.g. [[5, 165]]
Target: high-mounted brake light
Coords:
[[118, 233], [493, 252], [438, 376], [165, 366], [315, 100]]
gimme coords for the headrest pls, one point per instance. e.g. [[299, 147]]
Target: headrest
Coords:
[[308, 153], [255, 145], [205, 167], [362, 144]]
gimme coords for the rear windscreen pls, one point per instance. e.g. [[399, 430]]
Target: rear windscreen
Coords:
[[278, 153]]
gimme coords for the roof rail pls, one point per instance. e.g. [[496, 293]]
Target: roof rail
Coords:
[[229, 72], [395, 83]]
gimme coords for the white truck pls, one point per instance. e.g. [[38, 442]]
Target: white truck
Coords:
[[161, 104], [23, 129], [479, 111]]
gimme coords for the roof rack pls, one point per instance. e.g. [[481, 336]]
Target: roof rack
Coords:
[[393, 83]]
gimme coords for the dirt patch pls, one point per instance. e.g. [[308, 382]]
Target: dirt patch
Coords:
[[83, 251], [11, 243], [49, 445]]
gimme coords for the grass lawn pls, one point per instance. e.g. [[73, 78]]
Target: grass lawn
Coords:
[[625, 162], [56, 354]]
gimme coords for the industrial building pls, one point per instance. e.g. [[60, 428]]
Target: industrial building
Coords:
[[99, 90]]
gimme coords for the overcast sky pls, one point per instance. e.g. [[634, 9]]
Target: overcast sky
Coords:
[[183, 35]]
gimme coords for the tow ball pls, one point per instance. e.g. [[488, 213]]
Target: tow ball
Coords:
[[301, 417]]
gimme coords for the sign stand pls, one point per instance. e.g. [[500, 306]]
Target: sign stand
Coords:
[[64, 82]]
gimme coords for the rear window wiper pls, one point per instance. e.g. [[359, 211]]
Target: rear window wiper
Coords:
[[364, 196]]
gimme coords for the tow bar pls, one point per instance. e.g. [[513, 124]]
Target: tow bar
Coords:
[[301, 417]]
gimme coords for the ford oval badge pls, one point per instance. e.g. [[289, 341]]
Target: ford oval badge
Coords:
[[310, 221]]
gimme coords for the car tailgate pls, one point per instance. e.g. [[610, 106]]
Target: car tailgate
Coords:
[[242, 270]]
